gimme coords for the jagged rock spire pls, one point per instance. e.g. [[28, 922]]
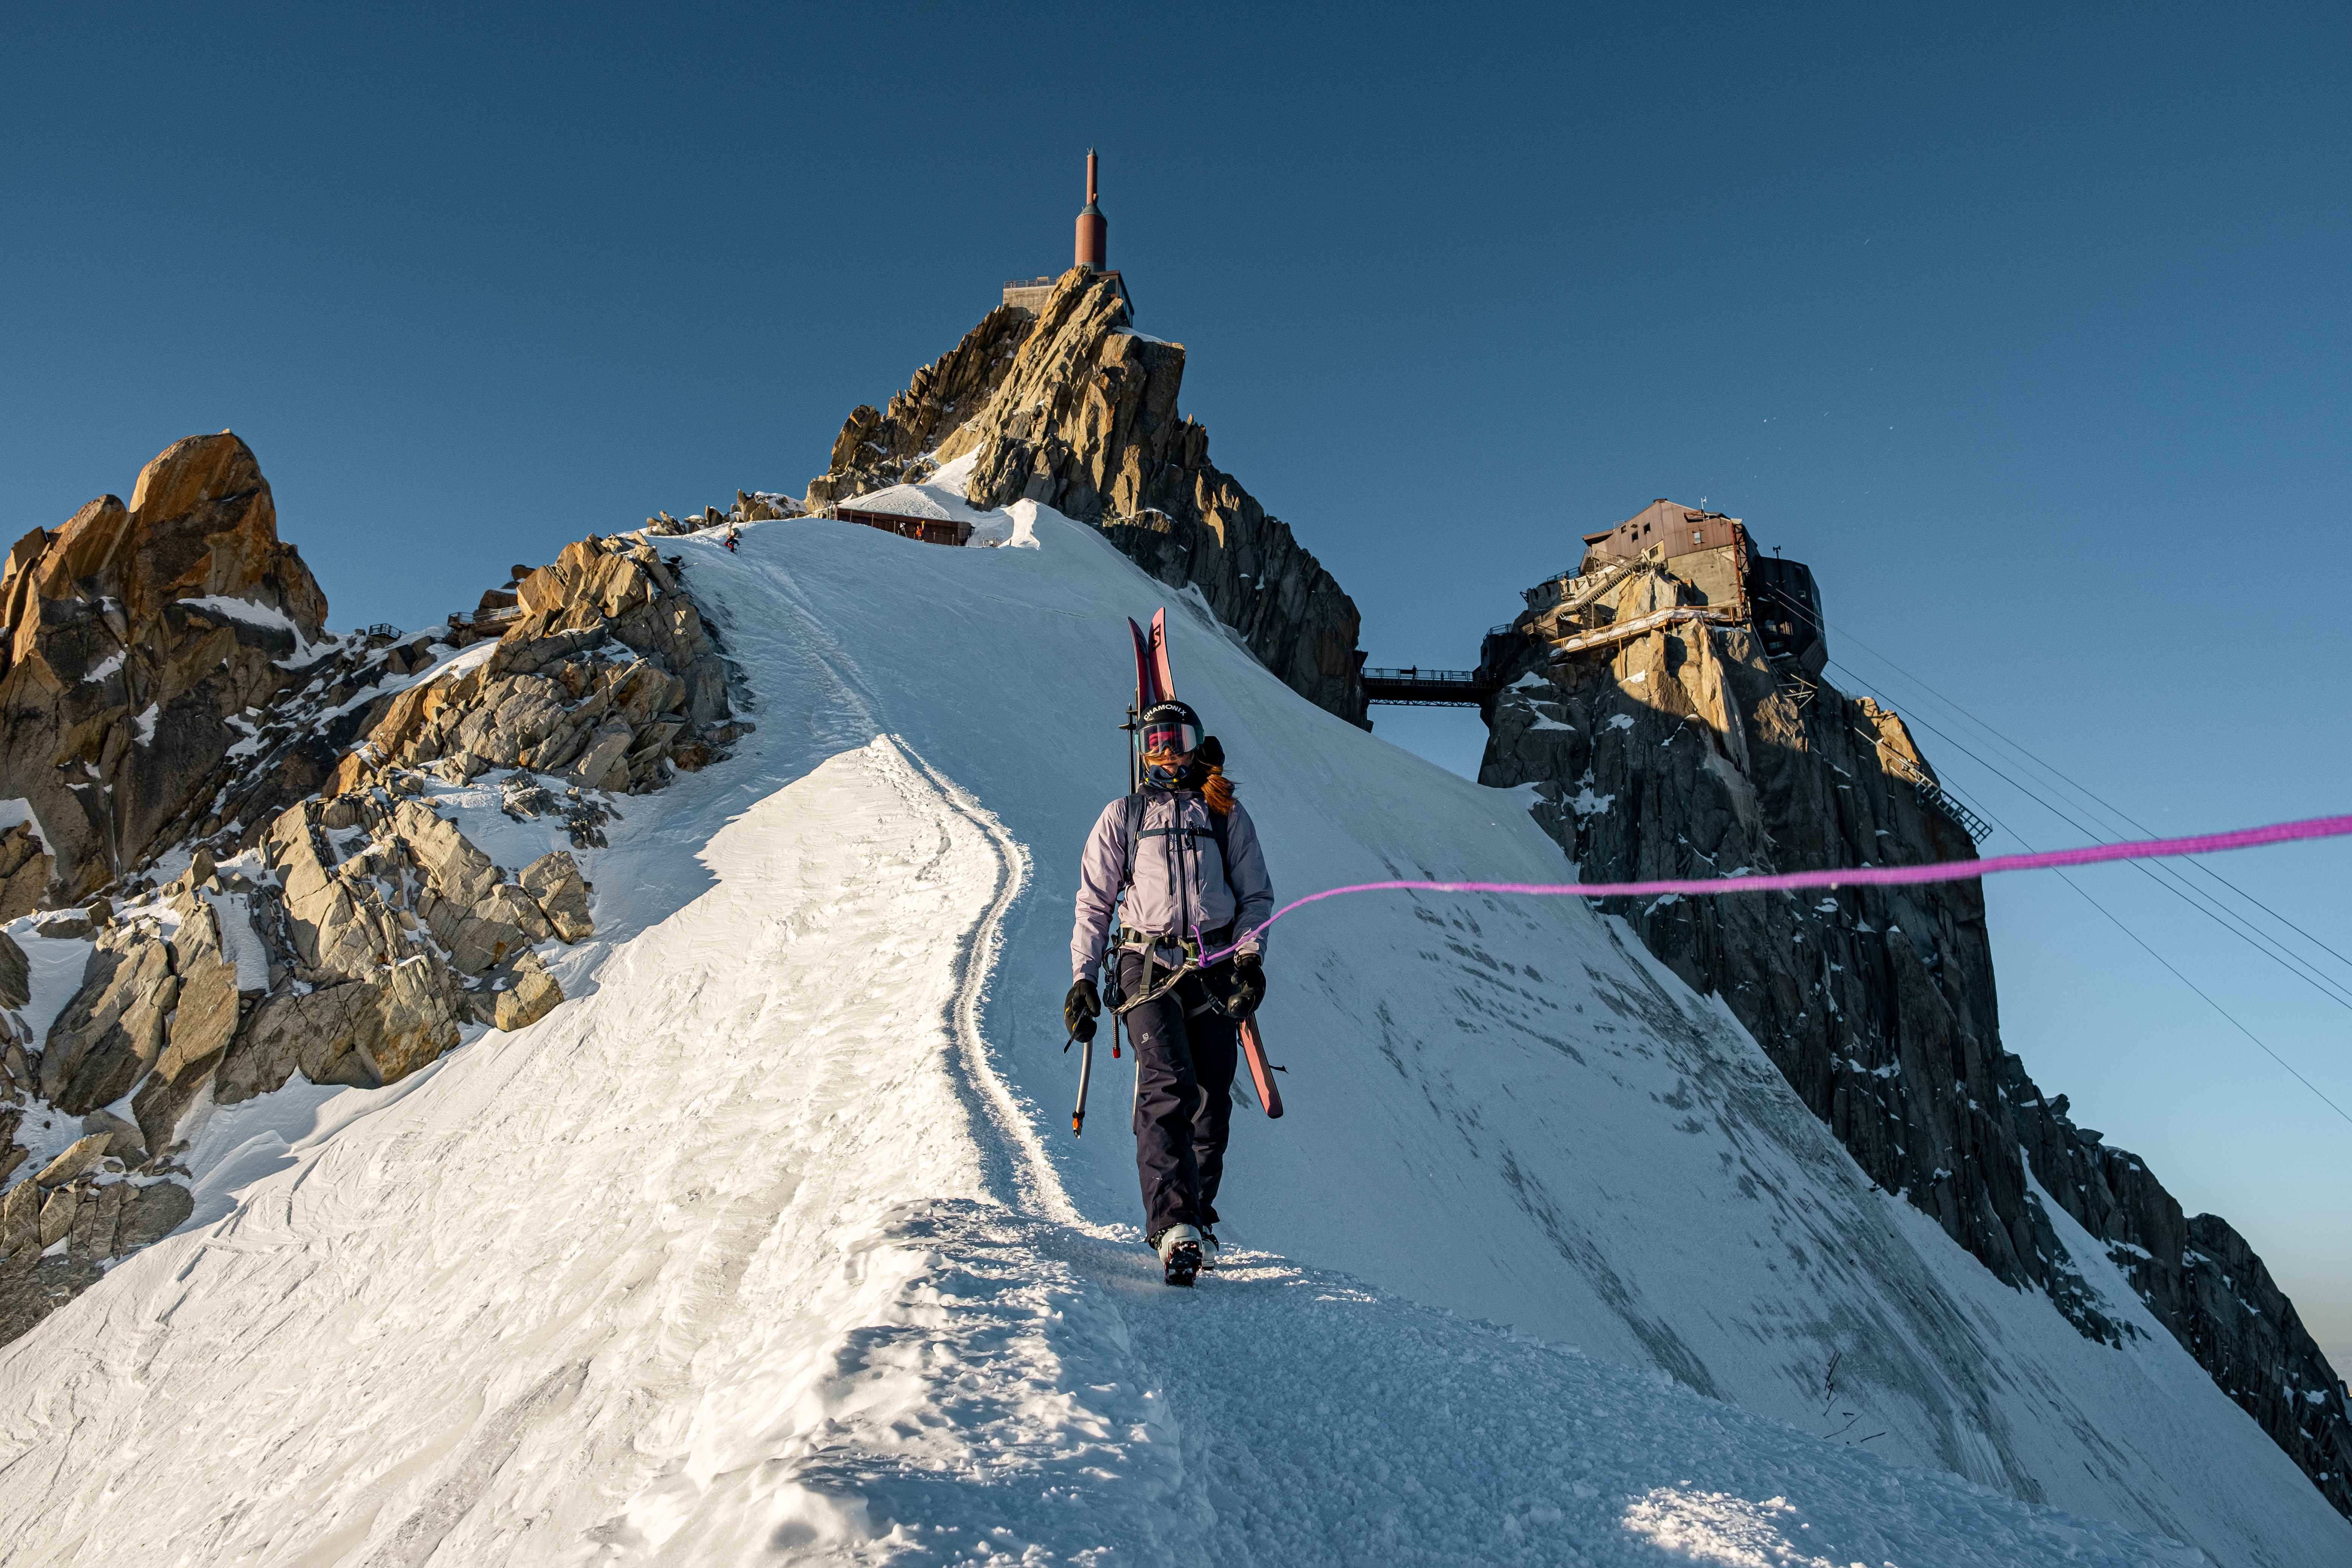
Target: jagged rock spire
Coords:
[[1073, 409]]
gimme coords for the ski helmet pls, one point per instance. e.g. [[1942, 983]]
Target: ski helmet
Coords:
[[1170, 727]]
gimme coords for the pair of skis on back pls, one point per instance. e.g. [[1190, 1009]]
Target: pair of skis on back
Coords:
[[1153, 686]]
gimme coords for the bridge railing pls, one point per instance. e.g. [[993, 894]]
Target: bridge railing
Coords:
[[1415, 673]]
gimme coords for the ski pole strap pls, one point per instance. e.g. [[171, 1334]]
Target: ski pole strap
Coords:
[[1848, 876]]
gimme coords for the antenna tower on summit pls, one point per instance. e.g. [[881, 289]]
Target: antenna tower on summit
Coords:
[[1094, 229]]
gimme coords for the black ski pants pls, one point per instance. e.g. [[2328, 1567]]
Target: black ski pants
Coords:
[[1184, 1095]]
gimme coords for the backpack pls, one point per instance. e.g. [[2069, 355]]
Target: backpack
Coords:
[[1135, 831]]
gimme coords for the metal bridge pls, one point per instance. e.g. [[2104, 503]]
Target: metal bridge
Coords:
[[1414, 686]]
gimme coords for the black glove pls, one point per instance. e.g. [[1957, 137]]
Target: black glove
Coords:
[[1081, 1008], [1249, 985]]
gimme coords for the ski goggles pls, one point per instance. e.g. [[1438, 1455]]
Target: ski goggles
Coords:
[[1170, 735]]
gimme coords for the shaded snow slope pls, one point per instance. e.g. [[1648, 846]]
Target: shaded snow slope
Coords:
[[772, 1244]]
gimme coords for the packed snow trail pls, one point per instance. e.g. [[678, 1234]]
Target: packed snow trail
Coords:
[[759, 1249], [747, 1263]]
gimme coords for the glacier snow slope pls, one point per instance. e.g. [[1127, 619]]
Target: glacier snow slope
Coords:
[[772, 1243]]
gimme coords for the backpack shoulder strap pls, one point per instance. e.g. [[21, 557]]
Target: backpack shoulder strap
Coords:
[[1135, 805]]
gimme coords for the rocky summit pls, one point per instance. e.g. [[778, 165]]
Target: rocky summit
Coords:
[[1690, 748], [1072, 408]]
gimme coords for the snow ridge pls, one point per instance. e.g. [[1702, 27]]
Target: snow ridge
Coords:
[[762, 1249]]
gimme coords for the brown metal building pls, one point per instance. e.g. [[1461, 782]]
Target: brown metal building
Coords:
[[928, 529], [1669, 531], [1717, 563]]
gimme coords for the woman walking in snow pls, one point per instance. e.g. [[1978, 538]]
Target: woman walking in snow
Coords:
[[1184, 855]]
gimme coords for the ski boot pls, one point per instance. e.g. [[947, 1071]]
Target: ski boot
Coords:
[[1209, 1248], [1180, 1254]]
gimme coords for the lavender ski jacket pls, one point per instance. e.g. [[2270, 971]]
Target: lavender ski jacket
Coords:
[[1180, 886]]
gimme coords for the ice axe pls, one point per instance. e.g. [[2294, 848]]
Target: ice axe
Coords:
[[1086, 1073]]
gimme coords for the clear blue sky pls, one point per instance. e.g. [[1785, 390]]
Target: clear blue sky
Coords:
[[2026, 327]]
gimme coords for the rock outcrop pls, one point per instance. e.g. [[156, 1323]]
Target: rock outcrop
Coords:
[[752, 506], [608, 679], [397, 932], [1074, 409], [1687, 752], [25, 866], [136, 637], [99, 1212]]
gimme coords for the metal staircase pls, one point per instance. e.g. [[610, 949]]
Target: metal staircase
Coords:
[[1931, 795]]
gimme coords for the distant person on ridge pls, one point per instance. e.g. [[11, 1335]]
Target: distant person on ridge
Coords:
[[1185, 855]]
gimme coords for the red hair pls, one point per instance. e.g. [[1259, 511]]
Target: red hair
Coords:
[[1218, 792]]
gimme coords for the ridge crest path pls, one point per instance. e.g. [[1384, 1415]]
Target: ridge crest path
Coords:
[[755, 1251]]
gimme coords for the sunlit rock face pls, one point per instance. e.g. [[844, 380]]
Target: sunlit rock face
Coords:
[[136, 637]]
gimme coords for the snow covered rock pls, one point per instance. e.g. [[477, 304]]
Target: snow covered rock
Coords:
[[530, 994], [15, 975], [123, 1141], [763, 506], [503, 921], [341, 928], [454, 869], [555, 881], [24, 867], [204, 1015], [83, 1155], [355, 948], [113, 1030], [99, 1220], [610, 679]]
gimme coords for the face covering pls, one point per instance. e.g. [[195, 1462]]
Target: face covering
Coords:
[[1168, 774]]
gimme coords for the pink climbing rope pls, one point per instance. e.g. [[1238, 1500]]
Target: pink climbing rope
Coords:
[[1849, 877]]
